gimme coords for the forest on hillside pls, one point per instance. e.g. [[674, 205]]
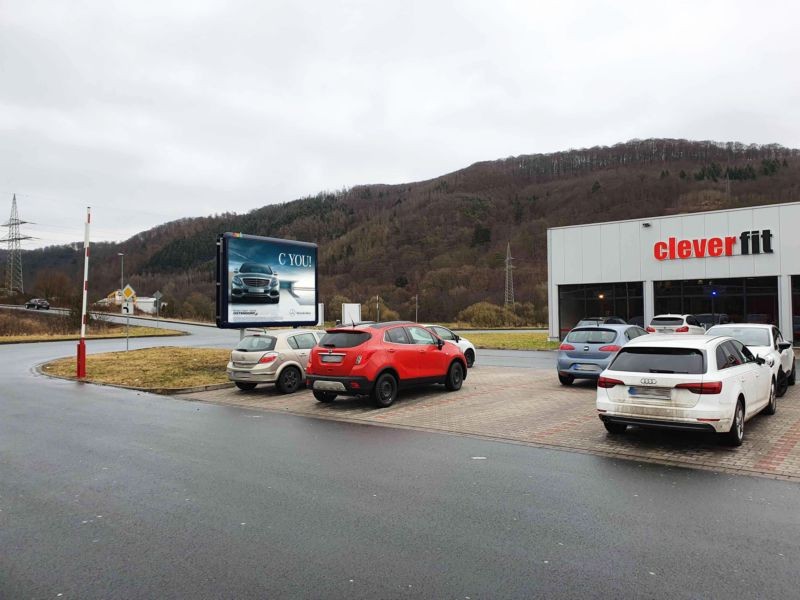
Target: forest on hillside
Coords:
[[442, 241]]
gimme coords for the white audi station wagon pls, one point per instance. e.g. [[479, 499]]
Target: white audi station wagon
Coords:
[[685, 382]]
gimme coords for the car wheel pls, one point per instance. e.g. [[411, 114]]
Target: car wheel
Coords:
[[385, 391], [735, 435], [470, 356], [245, 385], [289, 380], [455, 377], [783, 384], [566, 379], [615, 428], [772, 405], [792, 374], [324, 396]]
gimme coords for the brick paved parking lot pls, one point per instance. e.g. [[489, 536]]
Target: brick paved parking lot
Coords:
[[530, 406]]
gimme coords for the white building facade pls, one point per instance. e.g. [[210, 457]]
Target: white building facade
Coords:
[[738, 265]]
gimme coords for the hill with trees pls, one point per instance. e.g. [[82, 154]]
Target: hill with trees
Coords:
[[443, 239]]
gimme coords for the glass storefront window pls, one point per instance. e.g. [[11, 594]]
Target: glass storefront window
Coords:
[[575, 302], [734, 300]]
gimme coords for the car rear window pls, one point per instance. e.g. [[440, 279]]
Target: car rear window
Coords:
[[344, 339], [594, 335], [667, 321], [749, 336], [257, 343], [660, 360]]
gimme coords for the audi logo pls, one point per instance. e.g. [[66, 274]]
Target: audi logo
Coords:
[[648, 381]]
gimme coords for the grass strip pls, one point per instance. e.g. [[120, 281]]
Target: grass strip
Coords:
[[162, 367], [136, 331], [512, 341]]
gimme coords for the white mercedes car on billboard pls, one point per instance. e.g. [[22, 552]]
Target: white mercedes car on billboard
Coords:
[[694, 382]]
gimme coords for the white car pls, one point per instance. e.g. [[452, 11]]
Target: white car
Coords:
[[676, 324], [463, 343], [687, 382], [278, 357], [767, 342]]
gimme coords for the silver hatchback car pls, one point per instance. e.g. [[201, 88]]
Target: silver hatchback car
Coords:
[[587, 351], [277, 357]]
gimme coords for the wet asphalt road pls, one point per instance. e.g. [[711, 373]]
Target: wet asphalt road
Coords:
[[107, 493]]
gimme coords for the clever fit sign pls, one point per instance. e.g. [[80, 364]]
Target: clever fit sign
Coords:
[[747, 242]]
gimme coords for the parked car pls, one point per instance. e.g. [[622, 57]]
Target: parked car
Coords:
[[463, 343], [37, 304], [380, 359], [255, 282], [710, 319], [587, 351], [767, 342], [676, 324], [586, 321], [704, 383], [277, 357]]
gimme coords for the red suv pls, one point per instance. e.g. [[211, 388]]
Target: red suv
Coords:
[[378, 359]]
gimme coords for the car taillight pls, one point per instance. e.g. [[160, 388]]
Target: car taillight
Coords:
[[267, 358], [608, 382], [358, 359], [651, 329], [707, 387], [684, 329], [611, 348], [566, 347]]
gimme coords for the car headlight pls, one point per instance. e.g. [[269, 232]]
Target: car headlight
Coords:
[[274, 283], [770, 361], [237, 280]]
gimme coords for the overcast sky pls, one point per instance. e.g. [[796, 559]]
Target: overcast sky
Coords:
[[153, 111]]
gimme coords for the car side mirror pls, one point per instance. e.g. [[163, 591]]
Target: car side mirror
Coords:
[[760, 360], [440, 343], [456, 338], [784, 346]]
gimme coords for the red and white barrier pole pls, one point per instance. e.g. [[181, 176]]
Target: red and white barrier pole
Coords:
[[82, 343]]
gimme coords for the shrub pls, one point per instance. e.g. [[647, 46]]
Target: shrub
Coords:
[[486, 314]]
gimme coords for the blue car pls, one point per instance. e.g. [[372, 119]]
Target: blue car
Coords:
[[587, 351]]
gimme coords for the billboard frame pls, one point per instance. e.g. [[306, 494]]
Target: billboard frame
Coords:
[[222, 289]]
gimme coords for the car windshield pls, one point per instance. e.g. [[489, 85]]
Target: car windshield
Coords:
[[749, 336], [585, 322], [257, 343], [659, 360], [254, 268], [669, 321], [591, 336], [344, 339]]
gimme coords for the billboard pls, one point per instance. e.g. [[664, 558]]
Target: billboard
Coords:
[[265, 282]]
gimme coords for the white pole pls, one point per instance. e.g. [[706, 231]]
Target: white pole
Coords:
[[377, 309], [416, 308], [81, 367], [85, 272]]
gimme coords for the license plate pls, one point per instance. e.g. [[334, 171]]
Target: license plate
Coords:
[[656, 393], [332, 358], [586, 368]]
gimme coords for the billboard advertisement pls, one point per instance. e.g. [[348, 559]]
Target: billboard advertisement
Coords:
[[265, 282]]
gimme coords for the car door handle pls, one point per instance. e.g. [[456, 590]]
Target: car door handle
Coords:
[[392, 351]]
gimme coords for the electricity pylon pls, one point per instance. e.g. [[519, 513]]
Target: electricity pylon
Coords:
[[509, 279], [14, 279]]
